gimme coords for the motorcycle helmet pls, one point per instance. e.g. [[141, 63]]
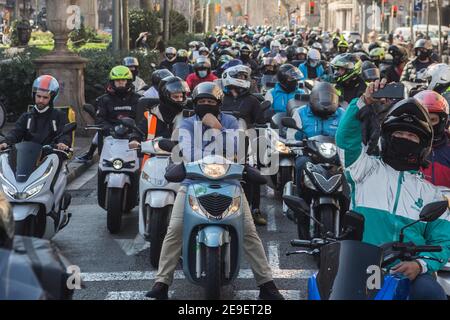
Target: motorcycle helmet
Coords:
[[399, 54], [288, 77], [270, 66], [359, 47], [423, 48], [438, 76], [170, 85], [46, 83], [202, 67], [348, 62], [435, 103], [171, 54], [401, 154], [370, 71], [182, 56], [133, 64], [237, 77], [121, 73], [313, 58], [342, 46], [317, 46], [157, 75], [208, 90], [324, 99], [6, 224], [301, 53], [204, 51], [193, 46], [246, 51], [377, 55]]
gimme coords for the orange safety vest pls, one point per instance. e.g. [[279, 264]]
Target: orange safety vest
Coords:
[[151, 132]]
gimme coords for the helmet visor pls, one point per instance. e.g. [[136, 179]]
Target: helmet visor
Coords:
[[293, 74]]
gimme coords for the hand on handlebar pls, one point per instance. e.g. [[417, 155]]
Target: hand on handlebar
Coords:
[[3, 146], [134, 144], [61, 146], [410, 269]]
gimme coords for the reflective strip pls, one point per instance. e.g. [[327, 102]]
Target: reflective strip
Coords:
[[151, 123]]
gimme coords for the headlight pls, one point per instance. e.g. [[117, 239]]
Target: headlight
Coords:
[[234, 207], [33, 191], [327, 150], [117, 164], [9, 190], [281, 147], [215, 171]]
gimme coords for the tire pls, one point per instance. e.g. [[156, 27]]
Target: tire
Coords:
[[303, 224], [24, 227], [285, 176], [213, 271], [115, 208], [159, 221], [327, 218]]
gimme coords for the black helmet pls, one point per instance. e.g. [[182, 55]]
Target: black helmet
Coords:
[[324, 99], [157, 75], [423, 45], [370, 72], [208, 90], [398, 54], [359, 47], [288, 77], [406, 115], [171, 85], [6, 224], [290, 53]]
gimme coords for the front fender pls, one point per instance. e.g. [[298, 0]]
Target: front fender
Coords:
[[159, 198], [22, 211], [286, 162], [213, 236], [117, 180]]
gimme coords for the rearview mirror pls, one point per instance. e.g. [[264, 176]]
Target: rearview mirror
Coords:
[[289, 123], [433, 211]]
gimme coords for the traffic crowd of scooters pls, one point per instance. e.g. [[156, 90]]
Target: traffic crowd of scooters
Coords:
[[284, 72]]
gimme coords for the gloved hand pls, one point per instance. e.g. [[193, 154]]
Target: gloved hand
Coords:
[[370, 127]]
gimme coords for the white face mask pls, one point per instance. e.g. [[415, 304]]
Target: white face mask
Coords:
[[313, 63], [203, 74]]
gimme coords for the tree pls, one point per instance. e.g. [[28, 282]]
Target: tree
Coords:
[[145, 5]]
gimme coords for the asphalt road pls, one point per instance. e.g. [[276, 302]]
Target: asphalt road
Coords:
[[117, 267]]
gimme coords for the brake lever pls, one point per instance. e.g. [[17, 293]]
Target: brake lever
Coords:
[[312, 252]]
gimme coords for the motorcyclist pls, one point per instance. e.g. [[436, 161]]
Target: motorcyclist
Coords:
[[202, 73], [377, 56], [207, 98], [286, 87], [400, 58], [312, 68], [370, 72], [342, 46], [347, 75], [43, 122], [414, 69], [388, 191], [170, 59], [237, 82], [157, 75], [321, 116], [133, 64], [245, 57], [300, 56], [438, 77], [438, 171]]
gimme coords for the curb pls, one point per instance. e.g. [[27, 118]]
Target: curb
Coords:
[[80, 168]]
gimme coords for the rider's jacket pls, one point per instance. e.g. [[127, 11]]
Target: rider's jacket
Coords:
[[304, 68], [390, 199], [247, 105], [351, 89], [280, 98], [438, 172], [412, 68], [40, 128], [139, 85], [313, 125], [112, 107]]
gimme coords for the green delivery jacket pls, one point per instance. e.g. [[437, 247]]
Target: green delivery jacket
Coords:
[[390, 199]]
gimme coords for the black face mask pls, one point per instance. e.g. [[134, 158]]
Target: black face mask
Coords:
[[403, 154], [423, 55], [121, 91], [290, 86], [202, 109]]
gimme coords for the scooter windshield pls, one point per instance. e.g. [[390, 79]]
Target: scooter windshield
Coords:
[[24, 159], [180, 69], [345, 272]]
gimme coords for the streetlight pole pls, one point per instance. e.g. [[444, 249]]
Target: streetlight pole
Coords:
[[116, 25], [166, 21], [126, 27]]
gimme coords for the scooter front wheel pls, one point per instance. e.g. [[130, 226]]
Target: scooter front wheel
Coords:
[[115, 208], [213, 279], [159, 221]]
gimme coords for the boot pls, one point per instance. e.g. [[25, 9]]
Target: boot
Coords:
[[258, 218], [160, 291], [88, 155], [269, 291]]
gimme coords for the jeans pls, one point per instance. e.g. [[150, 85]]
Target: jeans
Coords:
[[425, 287]]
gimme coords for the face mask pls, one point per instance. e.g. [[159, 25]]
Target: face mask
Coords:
[[202, 74], [121, 91], [202, 109], [423, 55], [290, 86], [403, 154], [313, 63]]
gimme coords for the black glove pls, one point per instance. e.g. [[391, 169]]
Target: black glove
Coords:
[[370, 129]]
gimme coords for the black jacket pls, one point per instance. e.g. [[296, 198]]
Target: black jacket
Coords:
[[111, 107], [352, 89], [164, 126], [248, 106], [166, 64], [40, 128]]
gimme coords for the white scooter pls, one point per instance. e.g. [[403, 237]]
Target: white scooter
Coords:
[[35, 187]]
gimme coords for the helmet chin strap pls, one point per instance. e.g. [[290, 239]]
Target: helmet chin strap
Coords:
[[41, 110]]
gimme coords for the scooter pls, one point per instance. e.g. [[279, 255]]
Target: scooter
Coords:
[[118, 173], [35, 187], [353, 270], [213, 224]]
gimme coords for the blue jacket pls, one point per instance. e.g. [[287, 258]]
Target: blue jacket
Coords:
[[304, 69], [280, 97], [314, 125]]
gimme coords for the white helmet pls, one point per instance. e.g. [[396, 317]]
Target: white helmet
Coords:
[[275, 44], [230, 77], [313, 57], [317, 46], [438, 74]]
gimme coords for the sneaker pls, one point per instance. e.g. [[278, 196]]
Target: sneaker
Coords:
[[258, 218], [85, 157], [160, 291], [269, 291]]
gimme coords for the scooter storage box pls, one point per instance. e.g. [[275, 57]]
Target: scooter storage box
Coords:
[[49, 266]]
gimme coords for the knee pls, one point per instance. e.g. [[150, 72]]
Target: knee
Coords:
[[425, 287]]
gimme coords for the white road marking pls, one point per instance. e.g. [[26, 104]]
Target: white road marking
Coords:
[[130, 295], [271, 223], [132, 247], [274, 259], [84, 178]]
